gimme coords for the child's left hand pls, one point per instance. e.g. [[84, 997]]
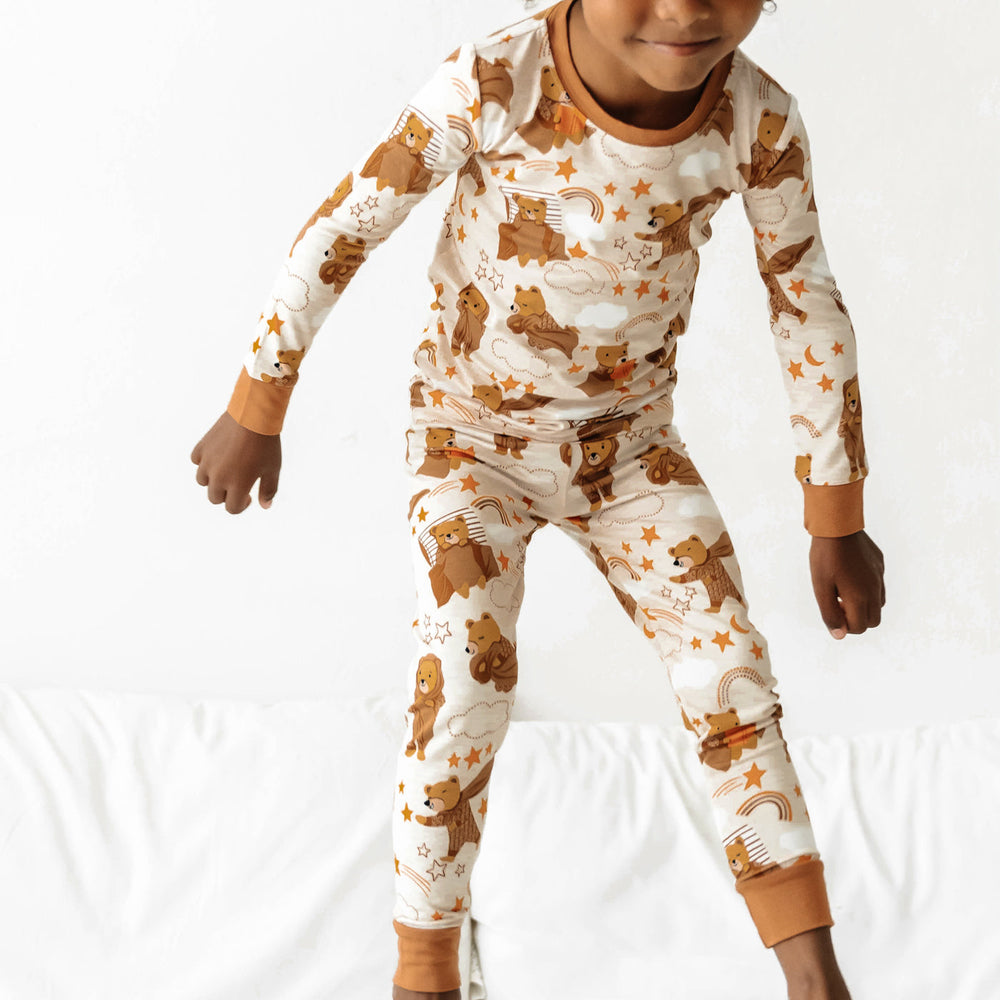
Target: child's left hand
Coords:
[[847, 576]]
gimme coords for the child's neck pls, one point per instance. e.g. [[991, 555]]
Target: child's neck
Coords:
[[635, 103]]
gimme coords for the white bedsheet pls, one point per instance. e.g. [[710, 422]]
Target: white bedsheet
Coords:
[[153, 848], [632, 897]]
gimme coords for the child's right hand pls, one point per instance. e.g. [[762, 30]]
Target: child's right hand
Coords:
[[231, 459]]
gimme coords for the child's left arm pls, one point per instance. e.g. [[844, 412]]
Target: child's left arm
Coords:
[[814, 340], [847, 577]]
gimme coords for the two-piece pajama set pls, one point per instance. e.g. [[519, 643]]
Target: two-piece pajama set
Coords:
[[562, 280]]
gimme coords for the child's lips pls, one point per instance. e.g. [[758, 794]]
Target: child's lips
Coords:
[[680, 48]]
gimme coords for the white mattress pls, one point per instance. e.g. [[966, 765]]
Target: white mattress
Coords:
[[156, 848]]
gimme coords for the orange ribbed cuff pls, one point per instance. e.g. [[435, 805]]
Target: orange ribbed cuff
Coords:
[[784, 902], [259, 406], [428, 958], [833, 511]]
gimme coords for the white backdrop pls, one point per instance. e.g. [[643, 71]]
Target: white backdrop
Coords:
[[158, 161]]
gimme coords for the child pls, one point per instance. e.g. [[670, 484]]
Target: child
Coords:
[[591, 145]]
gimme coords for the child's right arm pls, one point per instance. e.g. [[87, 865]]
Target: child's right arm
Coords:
[[434, 135]]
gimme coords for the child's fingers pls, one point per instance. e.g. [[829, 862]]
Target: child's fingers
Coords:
[[236, 498], [861, 613], [831, 611], [216, 491], [237, 506], [268, 487]]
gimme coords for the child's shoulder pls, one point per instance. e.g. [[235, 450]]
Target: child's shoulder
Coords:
[[755, 87], [515, 39]]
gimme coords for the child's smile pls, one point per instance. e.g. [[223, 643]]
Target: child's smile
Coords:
[[646, 61]]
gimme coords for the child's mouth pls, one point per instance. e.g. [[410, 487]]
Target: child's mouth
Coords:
[[679, 48]]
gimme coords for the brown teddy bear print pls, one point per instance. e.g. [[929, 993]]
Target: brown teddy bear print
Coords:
[[399, 161], [441, 454], [726, 739], [494, 658], [495, 83], [460, 562], [781, 262], [803, 468], [343, 259], [287, 366], [722, 118], [705, 564], [594, 476], [849, 429], [660, 358], [449, 803], [614, 369], [671, 225], [557, 120], [340, 192], [510, 444], [529, 236], [472, 312], [491, 396], [739, 861], [663, 465], [767, 167], [532, 319], [428, 697]]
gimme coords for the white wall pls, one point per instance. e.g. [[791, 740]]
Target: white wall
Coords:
[[158, 160]]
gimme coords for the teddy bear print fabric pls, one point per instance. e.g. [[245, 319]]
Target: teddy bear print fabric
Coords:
[[564, 271], [545, 364], [626, 491]]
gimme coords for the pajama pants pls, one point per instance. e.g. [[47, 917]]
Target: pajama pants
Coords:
[[624, 489]]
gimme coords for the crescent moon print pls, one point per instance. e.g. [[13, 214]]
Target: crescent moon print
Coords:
[[737, 626]]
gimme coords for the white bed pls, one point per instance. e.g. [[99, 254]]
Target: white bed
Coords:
[[157, 848]]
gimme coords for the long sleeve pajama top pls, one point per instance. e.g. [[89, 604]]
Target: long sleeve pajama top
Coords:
[[565, 268]]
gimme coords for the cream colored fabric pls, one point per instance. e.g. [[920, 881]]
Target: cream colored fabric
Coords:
[[565, 268]]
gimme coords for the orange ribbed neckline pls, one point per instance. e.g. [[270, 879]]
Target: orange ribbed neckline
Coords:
[[557, 21]]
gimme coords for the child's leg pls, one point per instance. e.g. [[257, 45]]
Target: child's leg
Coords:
[[469, 537], [663, 546]]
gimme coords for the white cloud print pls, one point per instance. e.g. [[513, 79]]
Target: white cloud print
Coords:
[[581, 226], [643, 507], [483, 719], [292, 291], [577, 279], [692, 673], [518, 358], [605, 315], [699, 164]]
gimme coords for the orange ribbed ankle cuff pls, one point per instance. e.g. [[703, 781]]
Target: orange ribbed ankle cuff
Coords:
[[428, 958], [784, 902]]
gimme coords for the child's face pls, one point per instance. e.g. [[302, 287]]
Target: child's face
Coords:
[[650, 39]]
